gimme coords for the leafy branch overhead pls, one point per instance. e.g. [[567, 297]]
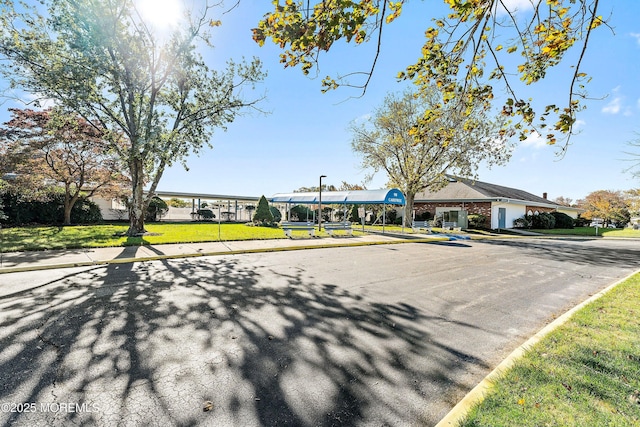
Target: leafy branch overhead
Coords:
[[466, 53]]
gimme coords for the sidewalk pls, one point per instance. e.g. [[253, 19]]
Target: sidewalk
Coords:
[[51, 259]]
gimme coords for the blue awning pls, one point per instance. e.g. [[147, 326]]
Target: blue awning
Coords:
[[356, 197]]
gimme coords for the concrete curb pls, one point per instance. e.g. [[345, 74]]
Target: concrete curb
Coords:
[[478, 393], [214, 253]]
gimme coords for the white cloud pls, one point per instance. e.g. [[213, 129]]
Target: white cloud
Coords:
[[514, 6], [614, 106], [534, 140], [360, 120], [579, 124], [636, 36], [39, 101]]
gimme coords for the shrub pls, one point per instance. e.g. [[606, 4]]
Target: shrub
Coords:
[[277, 216], [263, 215], [563, 220], [581, 222], [354, 215], [48, 209], [390, 216], [85, 212], [542, 221], [477, 221], [206, 213], [300, 213], [326, 213], [157, 207], [424, 216], [523, 222]]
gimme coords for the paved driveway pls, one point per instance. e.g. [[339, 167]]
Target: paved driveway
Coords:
[[384, 335]]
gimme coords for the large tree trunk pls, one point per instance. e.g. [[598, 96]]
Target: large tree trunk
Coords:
[[67, 213], [67, 206], [137, 202], [69, 202], [408, 217]]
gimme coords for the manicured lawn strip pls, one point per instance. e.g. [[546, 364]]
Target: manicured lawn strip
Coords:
[[94, 236], [39, 238], [591, 231], [585, 373]]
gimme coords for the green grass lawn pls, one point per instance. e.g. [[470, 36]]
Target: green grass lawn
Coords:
[[585, 373], [89, 236], [93, 236], [591, 231]]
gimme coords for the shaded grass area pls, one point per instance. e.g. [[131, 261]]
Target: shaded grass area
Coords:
[[585, 373], [591, 231]]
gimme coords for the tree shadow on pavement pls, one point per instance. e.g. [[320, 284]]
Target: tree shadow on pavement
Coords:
[[154, 343], [580, 252]]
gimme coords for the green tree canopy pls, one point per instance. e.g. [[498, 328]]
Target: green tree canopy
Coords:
[[154, 95], [466, 52], [416, 155]]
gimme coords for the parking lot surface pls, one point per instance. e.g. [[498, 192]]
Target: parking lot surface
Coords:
[[379, 335]]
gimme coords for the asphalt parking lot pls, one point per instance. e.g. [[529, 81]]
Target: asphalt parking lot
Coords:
[[379, 335]]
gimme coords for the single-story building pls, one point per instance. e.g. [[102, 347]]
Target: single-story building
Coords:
[[498, 204], [226, 207]]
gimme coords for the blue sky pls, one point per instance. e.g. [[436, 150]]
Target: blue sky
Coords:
[[305, 133]]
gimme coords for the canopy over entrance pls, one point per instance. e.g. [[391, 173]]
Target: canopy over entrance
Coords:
[[356, 197]]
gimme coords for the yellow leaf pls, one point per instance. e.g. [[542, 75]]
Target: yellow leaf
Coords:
[[596, 22]]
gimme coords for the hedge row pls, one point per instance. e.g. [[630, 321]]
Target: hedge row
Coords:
[[19, 210]]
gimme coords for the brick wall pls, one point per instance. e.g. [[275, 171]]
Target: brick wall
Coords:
[[479, 208]]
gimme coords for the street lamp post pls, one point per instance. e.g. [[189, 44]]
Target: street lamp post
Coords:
[[320, 204]]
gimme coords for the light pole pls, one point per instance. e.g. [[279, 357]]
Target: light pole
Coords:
[[320, 204]]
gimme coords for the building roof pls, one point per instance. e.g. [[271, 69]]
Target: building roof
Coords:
[[467, 190], [391, 196], [205, 196]]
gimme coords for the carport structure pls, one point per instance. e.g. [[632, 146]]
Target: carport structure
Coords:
[[383, 197]]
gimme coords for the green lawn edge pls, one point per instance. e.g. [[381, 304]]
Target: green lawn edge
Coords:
[[585, 372], [591, 232], [37, 238]]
